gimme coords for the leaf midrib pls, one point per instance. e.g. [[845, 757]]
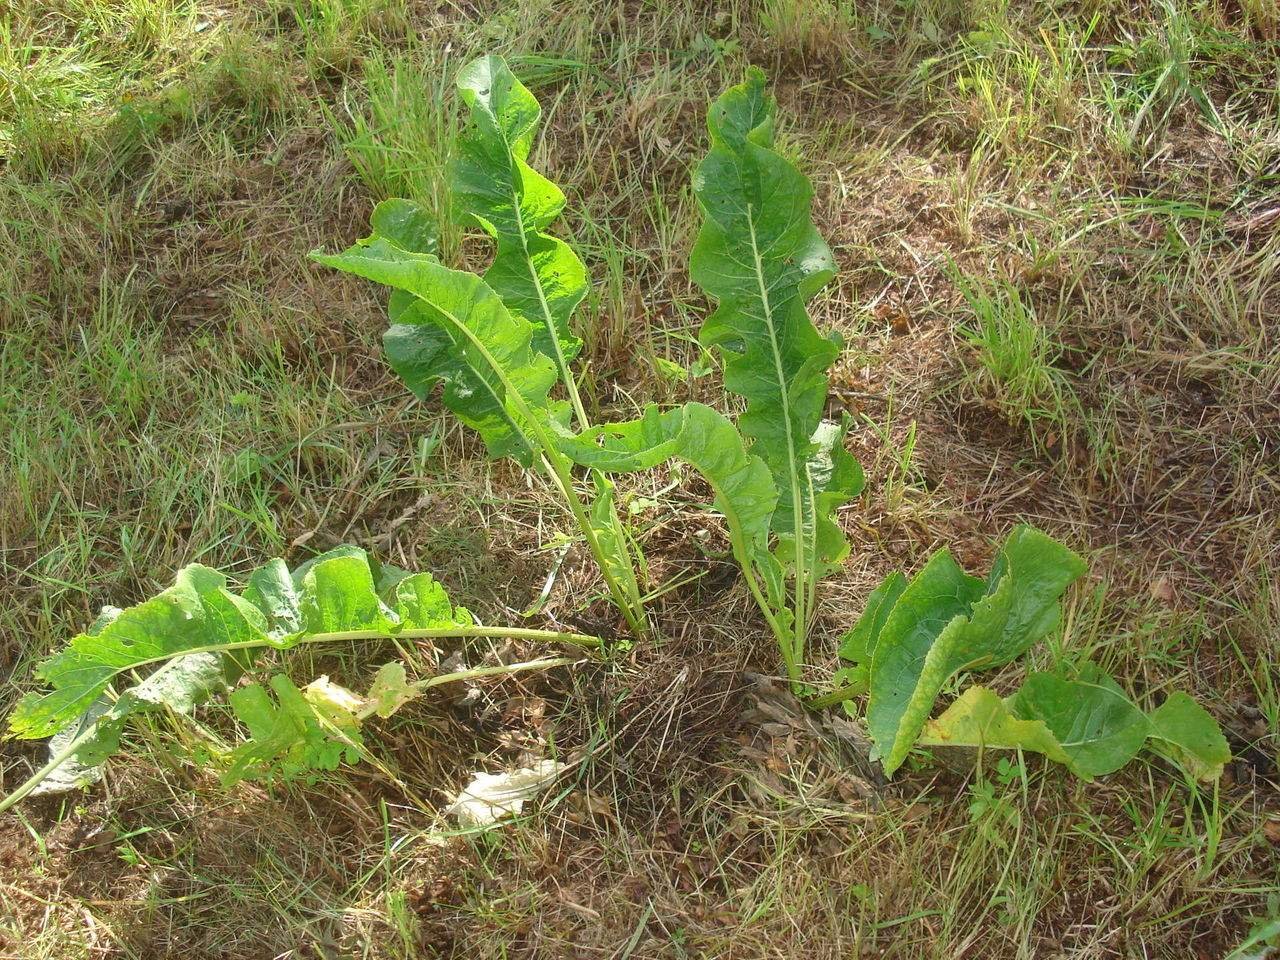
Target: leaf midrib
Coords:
[[422, 633], [562, 364], [797, 512], [489, 388]]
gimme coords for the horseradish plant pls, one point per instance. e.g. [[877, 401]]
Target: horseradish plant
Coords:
[[915, 636], [761, 258], [198, 638], [500, 344]]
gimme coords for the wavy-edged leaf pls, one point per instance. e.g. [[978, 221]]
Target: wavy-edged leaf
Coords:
[[183, 645], [538, 276], [761, 257], [196, 614], [425, 353], [1087, 724], [860, 640], [297, 733], [457, 329], [408, 225], [945, 621], [938, 596], [1188, 733], [704, 438]]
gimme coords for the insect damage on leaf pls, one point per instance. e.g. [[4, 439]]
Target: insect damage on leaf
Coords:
[[298, 734]]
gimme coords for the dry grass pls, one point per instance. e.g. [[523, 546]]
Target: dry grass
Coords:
[[178, 383]]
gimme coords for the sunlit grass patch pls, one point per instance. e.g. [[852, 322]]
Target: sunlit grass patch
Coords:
[[401, 137], [68, 66], [1018, 358]]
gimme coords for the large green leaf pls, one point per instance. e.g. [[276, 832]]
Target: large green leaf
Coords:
[[761, 257], [425, 353], [857, 643], [538, 276], [457, 329], [406, 224], [1099, 728], [744, 490], [861, 639], [179, 647], [941, 594], [945, 621], [979, 718], [196, 615], [1087, 724]]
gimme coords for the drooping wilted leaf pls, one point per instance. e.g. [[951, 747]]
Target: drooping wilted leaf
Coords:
[[179, 647], [1099, 728], [979, 718], [390, 689], [98, 737], [196, 615], [945, 621], [709, 442], [1086, 723]]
